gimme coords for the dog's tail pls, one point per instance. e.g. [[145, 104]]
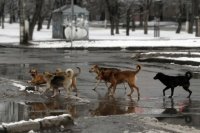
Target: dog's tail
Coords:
[[138, 67], [77, 73], [188, 74]]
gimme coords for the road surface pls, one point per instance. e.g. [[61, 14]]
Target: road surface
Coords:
[[17, 105]]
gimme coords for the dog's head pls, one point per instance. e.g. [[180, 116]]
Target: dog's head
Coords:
[[94, 68], [33, 72], [58, 70], [158, 75], [48, 76]]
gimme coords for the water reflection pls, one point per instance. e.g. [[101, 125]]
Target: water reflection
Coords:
[[180, 112], [12, 111], [112, 106]]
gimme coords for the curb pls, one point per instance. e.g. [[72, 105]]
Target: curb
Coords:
[[37, 124], [133, 48]]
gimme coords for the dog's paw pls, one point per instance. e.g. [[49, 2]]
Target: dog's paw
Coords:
[[129, 95], [53, 96], [110, 94]]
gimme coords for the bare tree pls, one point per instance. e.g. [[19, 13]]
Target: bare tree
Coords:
[[111, 10], [35, 17], [2, 12], [146, 5], [193, 14], [22, 19], [12, 8], [181, 15]]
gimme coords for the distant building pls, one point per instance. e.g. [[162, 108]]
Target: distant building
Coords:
[[63, 23]]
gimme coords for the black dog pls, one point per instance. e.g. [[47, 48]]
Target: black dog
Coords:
[[174, 81]]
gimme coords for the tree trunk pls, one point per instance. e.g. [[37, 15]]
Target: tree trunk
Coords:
[[117, 25], [191, 23], [112, 26], [127, 22], [23, 30], [133, 23], [2, 14], [146, 17], [49, 21], [179, 26], [37, 12], [111, 16], [117, 15], [40, 23], [12, 13], [141, 17]]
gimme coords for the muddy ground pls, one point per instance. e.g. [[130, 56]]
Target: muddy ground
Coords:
[[18, 105]]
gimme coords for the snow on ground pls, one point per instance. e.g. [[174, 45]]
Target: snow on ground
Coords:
[[167, 38], [100, 37]]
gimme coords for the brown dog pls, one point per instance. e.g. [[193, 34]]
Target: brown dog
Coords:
[[116, 78], [37, 78], [96, 69]]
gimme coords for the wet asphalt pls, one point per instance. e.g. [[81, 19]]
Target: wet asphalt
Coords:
[[16, 105]]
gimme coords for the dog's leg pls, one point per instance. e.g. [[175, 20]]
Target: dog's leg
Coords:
[[54, 92], [97, 84], [172, 92], [114, 88], [106, 83], [165, 90], [73, 87], [188, 90], [132, 86], [109, 89], [67, 87]]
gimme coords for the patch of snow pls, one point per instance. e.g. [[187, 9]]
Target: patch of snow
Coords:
[[195, 59], [100, 37], [22, 87], [50, 117], [79, 99], [174, 128], [31, 131]]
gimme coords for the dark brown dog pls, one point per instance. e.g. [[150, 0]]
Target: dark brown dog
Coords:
[[118, 77], [96, 69], [174, 81], [37, 78]]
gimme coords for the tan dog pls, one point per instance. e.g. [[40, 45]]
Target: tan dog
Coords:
[[74, 83], [37, 78], [59, 79], [56, 81], [116, 78], [96, 69]]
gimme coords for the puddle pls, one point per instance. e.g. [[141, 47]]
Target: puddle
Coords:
[[183, 113], [178, 112], [13, 111]]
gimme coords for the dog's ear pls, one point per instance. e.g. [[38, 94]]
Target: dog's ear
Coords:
[[30, 70], [58, 70]]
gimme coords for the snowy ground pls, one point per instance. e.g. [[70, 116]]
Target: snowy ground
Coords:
[[100, 37], [43, 38]]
